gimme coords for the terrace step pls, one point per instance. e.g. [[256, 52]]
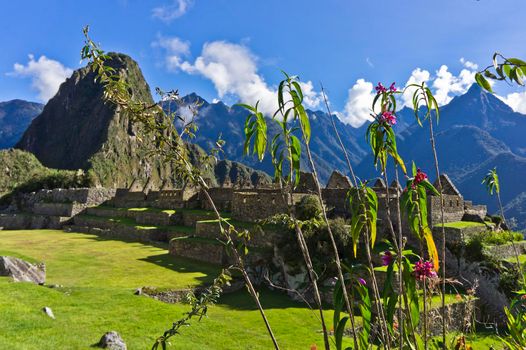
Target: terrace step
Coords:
[[129, 229], [200, 249], [20, 221], [261, 236], [507, 251]]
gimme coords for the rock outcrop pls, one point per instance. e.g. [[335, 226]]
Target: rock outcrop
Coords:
[[113, 341], [22, 271], [78, 129]]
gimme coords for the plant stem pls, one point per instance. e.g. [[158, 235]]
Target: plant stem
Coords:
[[303, 246], [443, 232], [240, 263], [331, 236], [376, 293], [399, 258]]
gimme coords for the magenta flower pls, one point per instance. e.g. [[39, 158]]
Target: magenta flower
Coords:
[[380, 88], [387, 258], [419, 177], [424, 269], [388, 117], [362, 281], [393, 88]]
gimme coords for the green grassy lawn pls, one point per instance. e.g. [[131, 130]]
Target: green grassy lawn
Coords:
[[461, 224], [99, 277], [479, 341]]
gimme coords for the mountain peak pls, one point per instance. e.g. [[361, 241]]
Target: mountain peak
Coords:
[[479, 99], [475, 89]]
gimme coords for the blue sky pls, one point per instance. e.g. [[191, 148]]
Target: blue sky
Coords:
[[234, 49]]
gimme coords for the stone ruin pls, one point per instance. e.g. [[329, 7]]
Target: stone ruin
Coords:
[[183, 217], [53, 208]]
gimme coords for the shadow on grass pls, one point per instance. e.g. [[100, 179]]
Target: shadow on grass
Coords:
[[166, 260], [241, 300], [182, 265]]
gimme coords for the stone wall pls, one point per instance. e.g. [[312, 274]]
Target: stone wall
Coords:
[[475, 213], [253, 206], [457, 235], [125, 199], [23, 221], [221, 196], [506, 251], [457, 315], [58, 209], [154, 218], [174, 199], [87, 196], [260, 236], [453, 208], [336, 199], [202, 250]]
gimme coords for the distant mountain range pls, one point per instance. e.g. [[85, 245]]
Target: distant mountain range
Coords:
[[15, 117], [476, 132], [77, 129]]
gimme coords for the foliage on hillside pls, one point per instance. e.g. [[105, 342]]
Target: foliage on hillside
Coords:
[[22, 172]]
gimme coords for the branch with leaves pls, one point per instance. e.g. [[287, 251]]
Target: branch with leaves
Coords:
[[285, 152], [423, 98], [170, 147], [510, 70], [492, 183]]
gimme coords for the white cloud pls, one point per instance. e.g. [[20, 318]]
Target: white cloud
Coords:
[[516, 100], [174, 45], [446, 84], [418, 76], [311, 98], [175, 49], [233, 70], [170, 12], [358, 106], [46, 75], [469, 64]]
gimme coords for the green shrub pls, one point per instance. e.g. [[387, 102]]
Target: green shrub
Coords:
[[509, 281], [475, 248], [308, 208], [501, 237]]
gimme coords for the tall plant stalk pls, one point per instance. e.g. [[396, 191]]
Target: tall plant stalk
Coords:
[[376, 292], [307, 259], [423, 94], [400, 268], [442, 232], [284, 146], [377, 299], [154, 120]]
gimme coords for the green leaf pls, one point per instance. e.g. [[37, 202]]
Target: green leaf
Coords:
[[431, 247], [339, 331], [296, 156], [482, 82], [428, 186]]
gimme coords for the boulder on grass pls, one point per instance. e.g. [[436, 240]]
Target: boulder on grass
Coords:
[[48, 312], [113, 341], [22, 271]]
